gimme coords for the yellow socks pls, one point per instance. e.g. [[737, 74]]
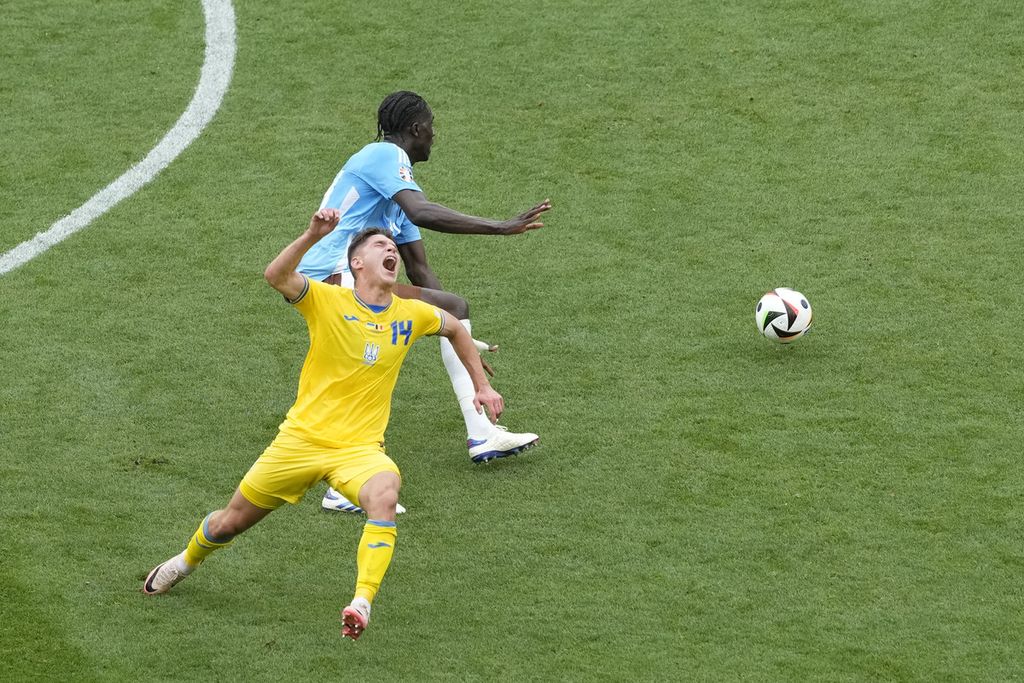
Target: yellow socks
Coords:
[[202, 544], [373, 557], [376, 546]]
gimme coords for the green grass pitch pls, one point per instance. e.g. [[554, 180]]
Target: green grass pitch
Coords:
[[705, 505]]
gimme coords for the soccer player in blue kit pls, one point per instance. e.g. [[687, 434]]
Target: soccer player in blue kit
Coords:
[[375, 188]]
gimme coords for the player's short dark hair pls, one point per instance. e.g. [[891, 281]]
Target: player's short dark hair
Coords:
[[361, 237], [399, 111]]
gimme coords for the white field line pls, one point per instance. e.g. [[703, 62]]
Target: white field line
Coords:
[[214, 79]]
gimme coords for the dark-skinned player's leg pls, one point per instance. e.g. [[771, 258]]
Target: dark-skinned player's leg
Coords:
[[484, 440]]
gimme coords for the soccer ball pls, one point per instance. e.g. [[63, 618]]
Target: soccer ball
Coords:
[[783, 315]]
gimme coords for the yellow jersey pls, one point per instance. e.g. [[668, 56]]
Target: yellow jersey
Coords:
[[355, 353]]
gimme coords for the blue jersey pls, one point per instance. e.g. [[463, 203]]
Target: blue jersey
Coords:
[[363, 192]]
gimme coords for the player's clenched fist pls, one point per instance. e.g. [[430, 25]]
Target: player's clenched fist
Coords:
[[324, 221]]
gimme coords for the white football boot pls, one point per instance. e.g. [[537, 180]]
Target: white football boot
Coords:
[[355, 618], [500, 443], [164, 576], [336, 502]]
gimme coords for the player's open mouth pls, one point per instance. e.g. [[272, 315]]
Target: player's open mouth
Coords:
[[390, 263]]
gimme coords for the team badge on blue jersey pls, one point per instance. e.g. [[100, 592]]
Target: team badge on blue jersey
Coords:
[[405, 173]]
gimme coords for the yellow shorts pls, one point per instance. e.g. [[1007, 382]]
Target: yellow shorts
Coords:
[[291, 466]]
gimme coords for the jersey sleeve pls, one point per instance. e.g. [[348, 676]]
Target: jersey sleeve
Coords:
[[310, 298], [427, 319], [407, 231], [387, 171]]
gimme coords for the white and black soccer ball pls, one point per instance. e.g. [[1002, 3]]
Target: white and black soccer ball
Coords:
[[783, 315]]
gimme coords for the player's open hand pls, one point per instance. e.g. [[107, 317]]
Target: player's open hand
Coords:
[[323, 222], [489, 399], [526, 220]]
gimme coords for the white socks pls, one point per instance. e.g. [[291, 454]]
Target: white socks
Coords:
[[478, 425]]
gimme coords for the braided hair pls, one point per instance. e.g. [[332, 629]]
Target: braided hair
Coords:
[[398, 111]]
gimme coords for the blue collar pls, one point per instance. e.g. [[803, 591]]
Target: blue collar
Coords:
[[373, 307]]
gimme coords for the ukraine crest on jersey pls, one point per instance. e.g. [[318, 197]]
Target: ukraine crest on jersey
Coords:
[[344, 396], [362, 191]]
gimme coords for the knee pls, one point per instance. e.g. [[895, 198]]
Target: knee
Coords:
[[380, 496], [452, 303], [458, 307], [382, 499], [222, 524]]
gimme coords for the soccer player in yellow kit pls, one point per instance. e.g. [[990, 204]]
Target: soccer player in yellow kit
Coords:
[[335, 430]]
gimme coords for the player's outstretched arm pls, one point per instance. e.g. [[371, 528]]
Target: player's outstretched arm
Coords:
[[433, 216], [486, 396], [281, 272]]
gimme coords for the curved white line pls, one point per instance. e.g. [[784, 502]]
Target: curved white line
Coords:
[[213, 83]]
